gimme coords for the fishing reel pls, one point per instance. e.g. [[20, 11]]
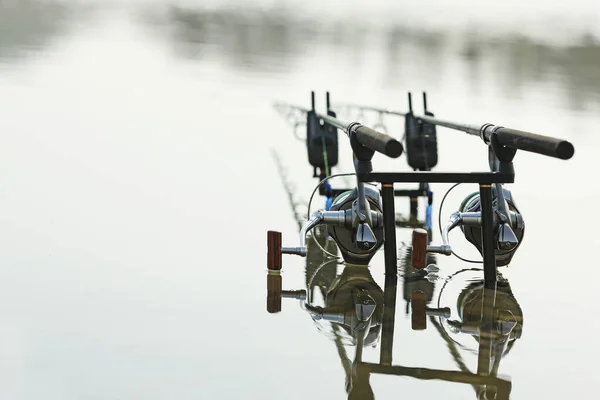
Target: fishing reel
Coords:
[[509, 228], [354, 221]]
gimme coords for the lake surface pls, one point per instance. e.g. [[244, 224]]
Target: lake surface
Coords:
[[138, 182]]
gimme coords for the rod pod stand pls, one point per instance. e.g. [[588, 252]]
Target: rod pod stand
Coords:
[[496, 223]]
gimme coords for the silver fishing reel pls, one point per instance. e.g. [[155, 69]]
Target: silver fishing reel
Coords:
[[509, 228], [354, 221], [358, 245]]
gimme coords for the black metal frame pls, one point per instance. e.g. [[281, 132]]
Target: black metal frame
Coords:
[[485, 181], [502, 145]]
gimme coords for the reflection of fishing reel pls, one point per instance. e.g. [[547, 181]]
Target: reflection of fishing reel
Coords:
[[353, 303], [488, 313], [509, 229], [355, 222], [501, 311], [507, 314]]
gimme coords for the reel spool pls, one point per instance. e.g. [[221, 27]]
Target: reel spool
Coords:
[[509, 229], [473, 233], [352, 252]]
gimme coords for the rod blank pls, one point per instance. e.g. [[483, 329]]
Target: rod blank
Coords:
[[515, 139], [520, 140]]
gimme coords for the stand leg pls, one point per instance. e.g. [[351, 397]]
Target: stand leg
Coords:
[[414, 209], [486, 328], [487, 233], [486, 333], [389, 229], [389, 320]]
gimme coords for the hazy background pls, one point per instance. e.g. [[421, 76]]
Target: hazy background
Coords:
[[137, 183]]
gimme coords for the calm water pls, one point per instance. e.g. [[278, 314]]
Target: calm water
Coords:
[[137, 184]]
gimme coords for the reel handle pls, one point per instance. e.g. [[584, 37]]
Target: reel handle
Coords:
[[274, 259], [419, 248]]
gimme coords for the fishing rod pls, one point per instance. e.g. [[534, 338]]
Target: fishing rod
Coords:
[[322, 145], [359, 219], [507, 137], [358, 212]]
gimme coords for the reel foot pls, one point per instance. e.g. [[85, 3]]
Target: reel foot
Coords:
[[418, 306], [274, 262], [419, 248]]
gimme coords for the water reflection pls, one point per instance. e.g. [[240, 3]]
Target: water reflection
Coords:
[[353, 310], [274, 41], [31, 26]]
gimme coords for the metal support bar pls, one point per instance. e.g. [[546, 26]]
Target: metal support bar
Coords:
[[487, 233], [410, 193], [436, 374], [389, 320], [397, 192], [486, 328], [414, 208], [389, 229], [437, 177]]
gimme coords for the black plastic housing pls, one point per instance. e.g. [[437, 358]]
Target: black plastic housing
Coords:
[[315, 133], [421, 143]]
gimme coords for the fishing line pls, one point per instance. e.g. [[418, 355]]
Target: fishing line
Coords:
[[440, 226], [310, 202], [325, 161], [448, 279], [310, 281], [320, 184], [288, 188]]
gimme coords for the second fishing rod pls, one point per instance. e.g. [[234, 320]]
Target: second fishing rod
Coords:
[[359, 220], [506, 137]]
